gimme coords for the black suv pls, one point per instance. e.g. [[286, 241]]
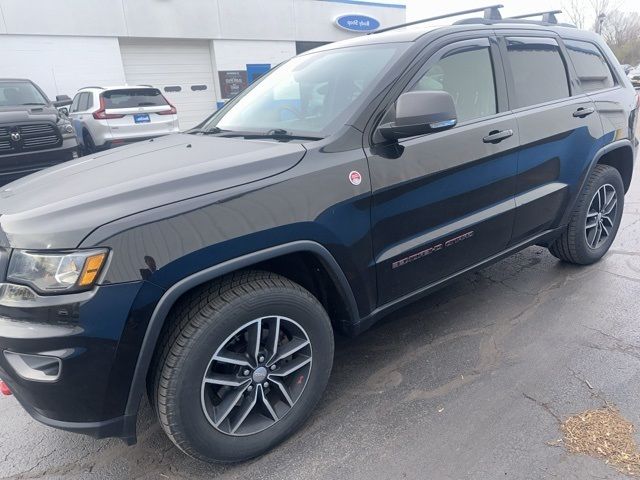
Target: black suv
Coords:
[[33, 133], [211, 269]]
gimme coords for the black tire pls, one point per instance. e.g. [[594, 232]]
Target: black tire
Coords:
[[573, 245], [88, 146], [201, 325]]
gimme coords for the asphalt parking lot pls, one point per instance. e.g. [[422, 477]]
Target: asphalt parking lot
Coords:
[[466, 384]]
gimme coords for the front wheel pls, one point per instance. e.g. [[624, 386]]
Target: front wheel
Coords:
[[595, 220], [242, 368]]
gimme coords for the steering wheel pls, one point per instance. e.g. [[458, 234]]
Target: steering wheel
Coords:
[[299, 115]]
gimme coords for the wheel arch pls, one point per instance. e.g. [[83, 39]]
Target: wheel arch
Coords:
[[621, 158], [619, 155], [308, 253]]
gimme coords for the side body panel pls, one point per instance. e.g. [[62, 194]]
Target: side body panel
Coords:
[[555, 149], [443, 201], [314, 201], [444, 204]]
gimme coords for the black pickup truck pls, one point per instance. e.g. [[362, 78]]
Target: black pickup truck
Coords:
[[33, 133]]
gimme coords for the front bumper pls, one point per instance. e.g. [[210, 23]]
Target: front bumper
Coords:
[[90, 394], [18, 165]]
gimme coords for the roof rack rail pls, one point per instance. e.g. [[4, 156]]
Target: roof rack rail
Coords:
[[547, 17], [91, 86], [492, 12]]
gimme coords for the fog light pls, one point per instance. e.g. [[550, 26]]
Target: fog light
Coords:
[[39, 368], [4, 389]]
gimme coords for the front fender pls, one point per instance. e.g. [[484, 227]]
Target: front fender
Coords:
[[170, 296]]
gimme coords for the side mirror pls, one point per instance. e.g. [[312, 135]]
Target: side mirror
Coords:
[[62, 101], [421, 112]]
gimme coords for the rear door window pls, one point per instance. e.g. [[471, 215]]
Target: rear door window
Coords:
[[133, 98], [538, 70], [592, 69]]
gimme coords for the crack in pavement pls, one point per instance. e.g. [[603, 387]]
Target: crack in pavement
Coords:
[[547, 408]]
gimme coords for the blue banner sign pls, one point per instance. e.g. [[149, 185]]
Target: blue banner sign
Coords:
[[357, 23]]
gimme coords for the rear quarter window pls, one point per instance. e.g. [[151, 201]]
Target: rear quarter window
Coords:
[[132, 98], [591, 67]]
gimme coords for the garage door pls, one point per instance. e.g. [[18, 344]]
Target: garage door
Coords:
[[181, 69]]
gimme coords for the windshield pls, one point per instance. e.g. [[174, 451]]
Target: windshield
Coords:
[[13, 94], [310, 94]]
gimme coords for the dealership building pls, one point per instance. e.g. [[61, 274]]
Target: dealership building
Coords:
[[197, 52]]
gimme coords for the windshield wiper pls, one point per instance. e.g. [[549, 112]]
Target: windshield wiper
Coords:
[[33, 103], [209, 131], [277, 134]]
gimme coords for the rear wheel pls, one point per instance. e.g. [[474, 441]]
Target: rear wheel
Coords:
[[243, 367], [595, 220]]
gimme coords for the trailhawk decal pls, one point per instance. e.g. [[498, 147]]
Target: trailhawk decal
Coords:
[[432, 249]]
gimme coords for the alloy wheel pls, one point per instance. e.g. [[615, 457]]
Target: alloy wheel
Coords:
[[256, 376], [601, 216]]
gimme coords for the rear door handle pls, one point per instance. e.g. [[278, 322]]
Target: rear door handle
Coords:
[[496, 136], [583, 112]]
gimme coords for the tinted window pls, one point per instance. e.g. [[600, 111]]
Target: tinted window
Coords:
[[539, 72], [83, 105], [133, 97], [467, 74], [76, 103], [591, 67]]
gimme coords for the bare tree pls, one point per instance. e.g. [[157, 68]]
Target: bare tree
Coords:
[[589, 12], [621, 31], [575, 10]]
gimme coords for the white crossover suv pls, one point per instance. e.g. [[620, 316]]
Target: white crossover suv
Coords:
[[106, 117]]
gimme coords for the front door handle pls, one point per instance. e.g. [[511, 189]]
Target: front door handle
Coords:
[[583, 112], [496, 136]]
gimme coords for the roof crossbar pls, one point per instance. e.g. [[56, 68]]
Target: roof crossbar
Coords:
[[492, 12], [547, 17]]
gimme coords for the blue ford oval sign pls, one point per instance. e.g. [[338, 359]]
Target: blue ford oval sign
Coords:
[[357, 23]]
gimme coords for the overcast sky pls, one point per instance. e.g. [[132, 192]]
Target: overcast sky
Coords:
[[417, 9]]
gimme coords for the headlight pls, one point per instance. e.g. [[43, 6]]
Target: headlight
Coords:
[[57, 272], [65, 127]]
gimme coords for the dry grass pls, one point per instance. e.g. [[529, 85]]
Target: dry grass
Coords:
[[603, 433]]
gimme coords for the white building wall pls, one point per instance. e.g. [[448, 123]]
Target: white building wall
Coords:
[[258, 19], [3, 25], [208, 19], [62, 65], [172, 18], [235, 54], [66, 44], [68, 17], [314, 19]]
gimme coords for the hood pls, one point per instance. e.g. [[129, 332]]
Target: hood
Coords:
[[59, 206], [28, 113]]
